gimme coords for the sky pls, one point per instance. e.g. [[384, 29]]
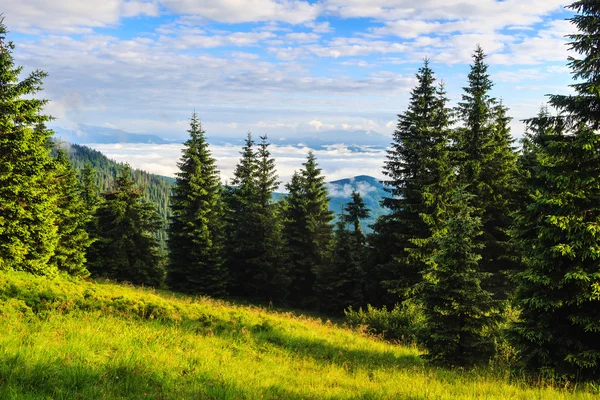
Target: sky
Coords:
[[279, 67]]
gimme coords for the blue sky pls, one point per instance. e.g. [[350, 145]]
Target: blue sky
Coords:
[[280, 67]]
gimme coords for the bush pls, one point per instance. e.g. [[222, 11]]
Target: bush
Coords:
[[402, 324]]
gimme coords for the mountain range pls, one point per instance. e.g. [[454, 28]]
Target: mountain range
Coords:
[[355, 139]]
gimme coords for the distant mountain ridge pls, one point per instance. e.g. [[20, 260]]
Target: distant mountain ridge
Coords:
[[102, 135], [357, 139]]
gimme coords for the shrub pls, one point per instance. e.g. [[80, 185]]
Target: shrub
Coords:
[[403, 323]]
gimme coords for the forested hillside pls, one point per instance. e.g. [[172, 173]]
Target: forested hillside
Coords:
[[485, 259], [156, 188]]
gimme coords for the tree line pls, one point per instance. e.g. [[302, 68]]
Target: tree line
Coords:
[[476, 226]]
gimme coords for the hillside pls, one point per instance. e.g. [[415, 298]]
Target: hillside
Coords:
[[157, 188], [65, 339]]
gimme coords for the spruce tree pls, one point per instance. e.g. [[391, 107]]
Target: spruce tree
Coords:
[[307, 230], [557, 228], [356, 210], [340, 283], [73, 216], [196, 228], [90, 190], [270, 280], [242, 217], [28, 234], [126, 248], [413, 164], [487, 165], [458, 310]]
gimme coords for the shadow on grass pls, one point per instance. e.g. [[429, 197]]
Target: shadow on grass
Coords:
[[23, 380], [320, 350]]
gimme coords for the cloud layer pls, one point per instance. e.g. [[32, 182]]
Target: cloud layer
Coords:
[[278, 66]]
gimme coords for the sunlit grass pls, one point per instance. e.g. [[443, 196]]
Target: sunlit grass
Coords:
[[63, 339]]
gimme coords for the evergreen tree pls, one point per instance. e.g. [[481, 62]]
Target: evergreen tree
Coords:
[[307, 230], [340, 283], [90, 190], [196, 229], [457, 309], [73, 216], [355, 211], [28, 234], [255, 247], [557, 229], [413, 164], [126, 248], [270, 279], [487, 165], [242, 215]]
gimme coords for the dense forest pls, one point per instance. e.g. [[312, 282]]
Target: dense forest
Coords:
[[486, 243]]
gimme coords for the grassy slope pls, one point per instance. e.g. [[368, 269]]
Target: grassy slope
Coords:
[[63, 339]]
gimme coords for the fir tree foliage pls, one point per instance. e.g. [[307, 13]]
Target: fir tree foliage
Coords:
[[416, 162], [487, 165], [126, 248], [458, 311], [90, 190], [307, 230], [28, 234], [341, 282], [255, 247], [356, 210], [557, 229], [196, 228], [73, 216]]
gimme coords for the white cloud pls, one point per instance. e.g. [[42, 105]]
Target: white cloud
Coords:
[[234, 11], [70, 16]]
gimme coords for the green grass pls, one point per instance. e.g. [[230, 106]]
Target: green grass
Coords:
[[63, 339]]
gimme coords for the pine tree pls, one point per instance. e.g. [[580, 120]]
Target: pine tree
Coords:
[[90, 190], [73, 216], [242, 216], [458, 310], [196, 228], [356, 210], [557, 229], [270, 280], [126, 248], [307, 230], [340, 283], [414, 163], [487, 165], [27, 198]]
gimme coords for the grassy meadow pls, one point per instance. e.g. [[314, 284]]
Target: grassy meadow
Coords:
[[66, 339]]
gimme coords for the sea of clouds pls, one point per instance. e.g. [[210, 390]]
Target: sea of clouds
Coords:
[[337, 162]]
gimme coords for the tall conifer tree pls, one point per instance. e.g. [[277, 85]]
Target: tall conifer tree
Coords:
[[242, 215], [270, 279], [73, 216], [27, 198], [307, 230], [126, 248], [417, 161], [487, 165], [557, 229], [459, 311], [196, 228]]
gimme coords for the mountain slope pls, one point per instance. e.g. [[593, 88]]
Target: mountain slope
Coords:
[[157, 188], [68, 339]]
